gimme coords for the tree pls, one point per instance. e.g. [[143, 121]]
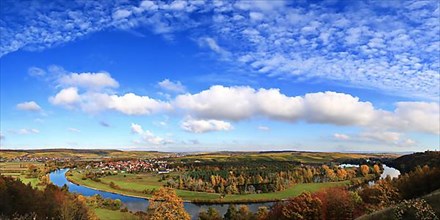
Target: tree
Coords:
[[376, 169], [304, 206], [340, 204], [244, 213], [262, 213], [231, 213], [365, 170], [165, 204], [210, 214]]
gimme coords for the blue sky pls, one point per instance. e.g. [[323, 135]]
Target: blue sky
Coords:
[[222, 75]]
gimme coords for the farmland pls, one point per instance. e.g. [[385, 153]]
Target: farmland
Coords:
[[19, 170]]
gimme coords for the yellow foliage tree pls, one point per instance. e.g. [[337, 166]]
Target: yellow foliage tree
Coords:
[[365, 170], [165, 205], [376, 169]]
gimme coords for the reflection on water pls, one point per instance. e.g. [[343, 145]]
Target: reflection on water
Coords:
[[138, 204], [387, 171]]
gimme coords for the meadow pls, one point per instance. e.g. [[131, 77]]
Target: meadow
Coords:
[[107, 214]]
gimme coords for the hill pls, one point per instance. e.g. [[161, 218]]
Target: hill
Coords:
[[407, 163]]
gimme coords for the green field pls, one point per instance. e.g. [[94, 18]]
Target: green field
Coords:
[[107, 214], [18, 169], [134, 184]]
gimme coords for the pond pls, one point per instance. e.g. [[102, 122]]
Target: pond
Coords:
[[134, 204]]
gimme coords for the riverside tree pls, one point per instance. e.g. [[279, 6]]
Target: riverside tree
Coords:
[[165, 204]]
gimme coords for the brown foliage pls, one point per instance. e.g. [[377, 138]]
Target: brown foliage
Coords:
[[18, 199]]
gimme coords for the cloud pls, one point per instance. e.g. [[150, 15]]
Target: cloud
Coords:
[[29, 106], [36, 72], [121, 13], [263, 128], [341, 136], [25, 131], [209, 107], [396, 52], [66, 97], [132, 104], [90, 81], [89, 92], [73, 130], [172, 86], [104, 124], [337, 108], [382, 137], [242, 102], [212, 44], [422, 116], [203, 126], [148, 137], [2, 137], [136, 129]]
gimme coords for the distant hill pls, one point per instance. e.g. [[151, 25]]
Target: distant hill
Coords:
[[407, 163], [80, 153]]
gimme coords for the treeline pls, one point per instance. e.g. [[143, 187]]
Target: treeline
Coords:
[[409, 162], [260, 177], [20, 201], [340, 203]]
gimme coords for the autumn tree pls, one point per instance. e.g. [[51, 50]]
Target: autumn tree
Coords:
[[365, 170], [262, 213], [376, 169], [165, 204], [210, 214], [231, 213], [303, 206], [244, 213]]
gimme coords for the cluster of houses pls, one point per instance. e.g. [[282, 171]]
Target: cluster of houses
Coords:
[[133, 166]]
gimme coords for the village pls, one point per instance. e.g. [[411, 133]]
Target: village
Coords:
[[133, 166]]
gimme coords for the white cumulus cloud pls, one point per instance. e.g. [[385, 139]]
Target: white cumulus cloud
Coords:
[[202, 126], [29, 106], [66, 97]]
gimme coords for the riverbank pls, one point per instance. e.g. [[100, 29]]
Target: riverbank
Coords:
[[199, 197]]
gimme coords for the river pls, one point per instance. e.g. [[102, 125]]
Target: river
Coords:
[[58, 178], [387, 171]]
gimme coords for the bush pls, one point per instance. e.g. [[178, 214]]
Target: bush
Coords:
[[414, 209]]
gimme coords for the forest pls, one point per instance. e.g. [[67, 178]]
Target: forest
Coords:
[[261, 176]]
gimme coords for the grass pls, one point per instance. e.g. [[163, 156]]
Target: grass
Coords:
[[132, 185], [107, 214], [17, 169]]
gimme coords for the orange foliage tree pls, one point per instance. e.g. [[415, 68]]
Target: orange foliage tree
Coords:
[[165, 204]]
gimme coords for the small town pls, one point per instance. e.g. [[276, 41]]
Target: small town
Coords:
[[133, 166]]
